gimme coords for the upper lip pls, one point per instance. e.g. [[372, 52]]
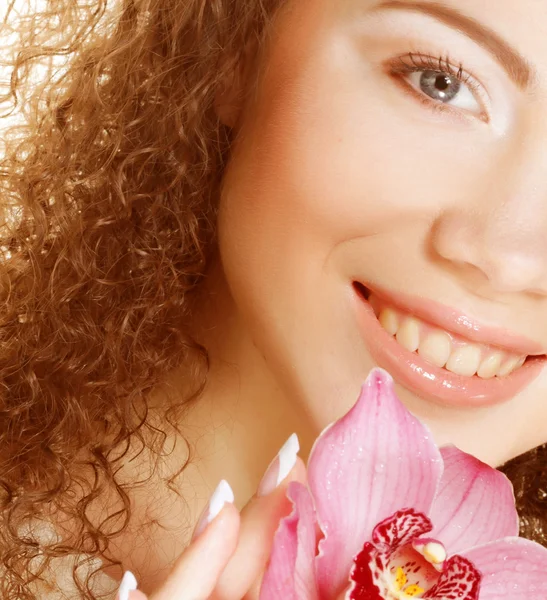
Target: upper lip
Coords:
[[453, 320]]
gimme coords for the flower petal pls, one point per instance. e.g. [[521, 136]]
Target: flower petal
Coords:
[[474, 505], [512, 569], [290, 574], [400, 529], [374, 461], [459, 581]]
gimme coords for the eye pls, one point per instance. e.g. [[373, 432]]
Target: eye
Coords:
[[446, 88], [440, 85]]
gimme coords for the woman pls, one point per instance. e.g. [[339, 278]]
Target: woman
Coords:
[[219, 217]]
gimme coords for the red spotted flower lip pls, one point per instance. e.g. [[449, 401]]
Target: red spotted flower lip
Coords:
[[387, 515]]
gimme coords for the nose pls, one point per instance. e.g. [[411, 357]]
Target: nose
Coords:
[[498, 238]]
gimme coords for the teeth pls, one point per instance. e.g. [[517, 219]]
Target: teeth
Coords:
[[436, 348], [442, 350], [389, 321], [510, 365], [465, 360], [490, 366], [408, 334]]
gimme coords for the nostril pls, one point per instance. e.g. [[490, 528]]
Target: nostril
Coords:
[[489, 258]]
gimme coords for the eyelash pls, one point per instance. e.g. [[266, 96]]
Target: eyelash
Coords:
[[413, 62]]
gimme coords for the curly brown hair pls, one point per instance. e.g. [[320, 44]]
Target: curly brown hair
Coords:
[[109, 189]]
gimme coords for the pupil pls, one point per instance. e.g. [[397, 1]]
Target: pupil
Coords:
[[442, 82]]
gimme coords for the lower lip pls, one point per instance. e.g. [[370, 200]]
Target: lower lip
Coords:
[[434, 383]]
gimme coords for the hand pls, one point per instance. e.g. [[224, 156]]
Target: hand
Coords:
[[228, 554]]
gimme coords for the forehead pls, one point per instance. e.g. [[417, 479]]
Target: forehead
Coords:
[[520, 23], [513, 19]]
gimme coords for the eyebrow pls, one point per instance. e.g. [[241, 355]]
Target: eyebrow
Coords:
[[512, 61]]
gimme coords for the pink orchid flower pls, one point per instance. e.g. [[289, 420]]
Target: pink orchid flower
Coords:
[[389, 516]]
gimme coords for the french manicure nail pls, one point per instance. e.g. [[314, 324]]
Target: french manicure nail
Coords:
[[128, 584], [280, 467], [220, 497]]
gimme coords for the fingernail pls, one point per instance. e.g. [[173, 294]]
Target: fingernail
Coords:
[[280, 467], [220, 497], [128, 584]]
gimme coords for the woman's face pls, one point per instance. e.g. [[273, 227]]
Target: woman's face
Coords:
[[391, 178]]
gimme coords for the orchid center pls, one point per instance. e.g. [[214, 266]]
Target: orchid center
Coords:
[[413, 569], [400, 563]]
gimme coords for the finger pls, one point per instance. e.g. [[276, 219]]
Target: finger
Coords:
[[196, 572], [259, 522], [253, 592]]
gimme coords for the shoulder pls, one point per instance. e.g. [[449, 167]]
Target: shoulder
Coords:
[[58, 582], [58, 579]]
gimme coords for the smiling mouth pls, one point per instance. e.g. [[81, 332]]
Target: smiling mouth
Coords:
[[442, 348], [436, 359]]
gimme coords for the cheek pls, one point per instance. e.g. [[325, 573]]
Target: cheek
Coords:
[[329, 158]]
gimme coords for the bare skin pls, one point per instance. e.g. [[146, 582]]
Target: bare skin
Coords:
[[342, 170]]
